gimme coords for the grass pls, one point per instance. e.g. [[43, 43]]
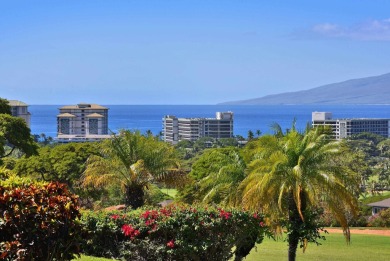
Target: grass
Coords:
[[169, 192], [90, 258], [362, 247], [368, 198]]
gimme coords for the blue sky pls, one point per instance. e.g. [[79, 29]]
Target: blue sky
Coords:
[[185, 52]]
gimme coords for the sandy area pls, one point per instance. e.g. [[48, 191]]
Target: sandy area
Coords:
[[361, 231]]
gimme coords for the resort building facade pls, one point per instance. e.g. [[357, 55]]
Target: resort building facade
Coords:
[[178, 129], [82, 122], [20, 109], [343, 128]]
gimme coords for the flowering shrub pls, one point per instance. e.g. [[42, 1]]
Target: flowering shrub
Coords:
[[39, 222], [176, 233], [381, 219]]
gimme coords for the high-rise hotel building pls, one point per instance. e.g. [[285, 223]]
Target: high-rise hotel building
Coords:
[[343, 128], [177, 129], [20, 109], [82, 122]]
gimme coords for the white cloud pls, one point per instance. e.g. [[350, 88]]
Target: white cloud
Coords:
[[372, 30]]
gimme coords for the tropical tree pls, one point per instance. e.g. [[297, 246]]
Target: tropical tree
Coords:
[[221, 186], [290, 174], [15, 136], [250, 135], [134, 162], [5, 108], [63, 163], [215, 177]]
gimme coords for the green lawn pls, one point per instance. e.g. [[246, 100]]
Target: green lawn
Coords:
[[362, 247], [169, 192], [90, 258]]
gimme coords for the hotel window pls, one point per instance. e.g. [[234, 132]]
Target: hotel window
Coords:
[[65, 126], [93, 126]]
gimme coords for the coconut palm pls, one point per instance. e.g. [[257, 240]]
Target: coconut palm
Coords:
[[292, 173], [134, 161]]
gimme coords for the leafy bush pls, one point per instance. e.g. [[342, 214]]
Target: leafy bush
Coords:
[[174, 233], [381, 219], [39, 222]]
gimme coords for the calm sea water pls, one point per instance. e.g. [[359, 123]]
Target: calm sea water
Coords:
[[149, 117]]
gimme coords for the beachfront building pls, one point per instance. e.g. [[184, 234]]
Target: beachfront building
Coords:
[[177, 129], [82, 122], [20, 109], [343, 128]]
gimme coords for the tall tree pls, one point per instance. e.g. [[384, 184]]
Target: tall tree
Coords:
[[215, 177], [15, 135], [5, 108], [290, 174], [63, 163], [133, 161], [250, 135], [220, 186]]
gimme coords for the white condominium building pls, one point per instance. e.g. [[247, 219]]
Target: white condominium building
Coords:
[[177, 129], [343, 128], [82, 122], [20, 109]]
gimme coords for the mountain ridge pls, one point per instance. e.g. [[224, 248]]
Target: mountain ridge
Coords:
[[368, 90]]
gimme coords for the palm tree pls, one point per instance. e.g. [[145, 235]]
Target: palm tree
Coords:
[[133, 161], [221, 186], [292, 173]]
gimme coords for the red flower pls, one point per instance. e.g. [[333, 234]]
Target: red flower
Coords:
[[149, 222], [262, 224], [115, 217], [171, 244], [255, 215], [224, 214], [127, 230]]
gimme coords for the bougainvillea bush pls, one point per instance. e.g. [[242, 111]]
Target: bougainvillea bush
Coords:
[[39, 222], [174, 233]]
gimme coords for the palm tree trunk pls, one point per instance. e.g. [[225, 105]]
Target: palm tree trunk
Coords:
[[134, 196], [295, 222]]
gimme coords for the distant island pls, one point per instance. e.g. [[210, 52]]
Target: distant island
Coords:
[[369, 90]]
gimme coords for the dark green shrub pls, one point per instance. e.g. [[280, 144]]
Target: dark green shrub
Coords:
[[174, 233], [39, 222]]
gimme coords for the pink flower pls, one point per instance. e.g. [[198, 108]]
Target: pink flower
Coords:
[[255, 215], [171, 244], [262, 224]]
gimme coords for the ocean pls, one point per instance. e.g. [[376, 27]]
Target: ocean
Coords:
[[246, 117]]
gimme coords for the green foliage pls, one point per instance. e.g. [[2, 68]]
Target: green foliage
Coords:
[[215, 177], [63, 163], [174, 233], [308, 231], [9, 179], [39, 223], [15, 134], [374, 138], [5, 108]]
